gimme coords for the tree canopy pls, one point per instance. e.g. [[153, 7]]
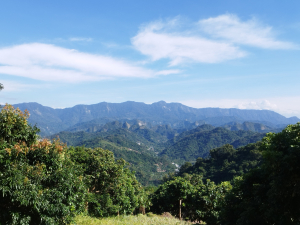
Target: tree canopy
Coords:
[[45, 182], [269, 194], [225, 162], [197, 200]]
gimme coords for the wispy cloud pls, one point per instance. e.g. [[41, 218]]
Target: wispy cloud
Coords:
[[81, 39], [156, 41], [13, 86], [52, 63], [251, 32], [211, 40], [168, 72]]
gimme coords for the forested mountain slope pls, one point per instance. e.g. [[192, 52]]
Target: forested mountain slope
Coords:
[[197, 142], [137, 150], [225, 162], [139, 144], [250, 126]]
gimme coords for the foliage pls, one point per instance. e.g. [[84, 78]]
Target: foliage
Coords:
[[208, 200], [39, 184], [225, 162], [47, 183], [14, 127], [113, 189], [269, 194], [200, 201], [167, 196]]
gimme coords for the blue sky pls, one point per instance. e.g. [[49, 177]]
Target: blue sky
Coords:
[[227, 54]]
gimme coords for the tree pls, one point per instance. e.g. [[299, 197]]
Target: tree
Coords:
[[14, 127], [113, 189], [225, 162], [172, 195], [269, 194], [281, 154], [44, 182], [199, 201], [1, 86], [39, 184], [207, 201]]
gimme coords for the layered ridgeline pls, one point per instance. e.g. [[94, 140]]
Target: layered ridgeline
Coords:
[[155, 150], [51, 120]]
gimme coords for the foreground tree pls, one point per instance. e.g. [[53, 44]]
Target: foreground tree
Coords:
[[172, 195], [14, 127], [39, 184], [190, 197], [208, 200], [113, 189], [269, 194]]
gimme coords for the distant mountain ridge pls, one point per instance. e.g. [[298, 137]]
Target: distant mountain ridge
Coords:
[[51, 120]]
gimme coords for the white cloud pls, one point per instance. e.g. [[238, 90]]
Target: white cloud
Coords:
[[250, 32], [287, 106], [51, 63], [211, 40], [264, 104], [156, 41]]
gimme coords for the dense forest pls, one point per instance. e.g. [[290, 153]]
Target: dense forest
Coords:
[[48, 182], [155, 150]]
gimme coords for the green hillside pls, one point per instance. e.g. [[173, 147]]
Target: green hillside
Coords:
[[225, 162], [139, 143], [130, 146], [197, 142]]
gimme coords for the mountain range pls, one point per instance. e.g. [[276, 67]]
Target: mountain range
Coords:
[[155, 139], [51, 120]]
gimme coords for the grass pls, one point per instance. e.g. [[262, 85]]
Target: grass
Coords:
[[150, 219]]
